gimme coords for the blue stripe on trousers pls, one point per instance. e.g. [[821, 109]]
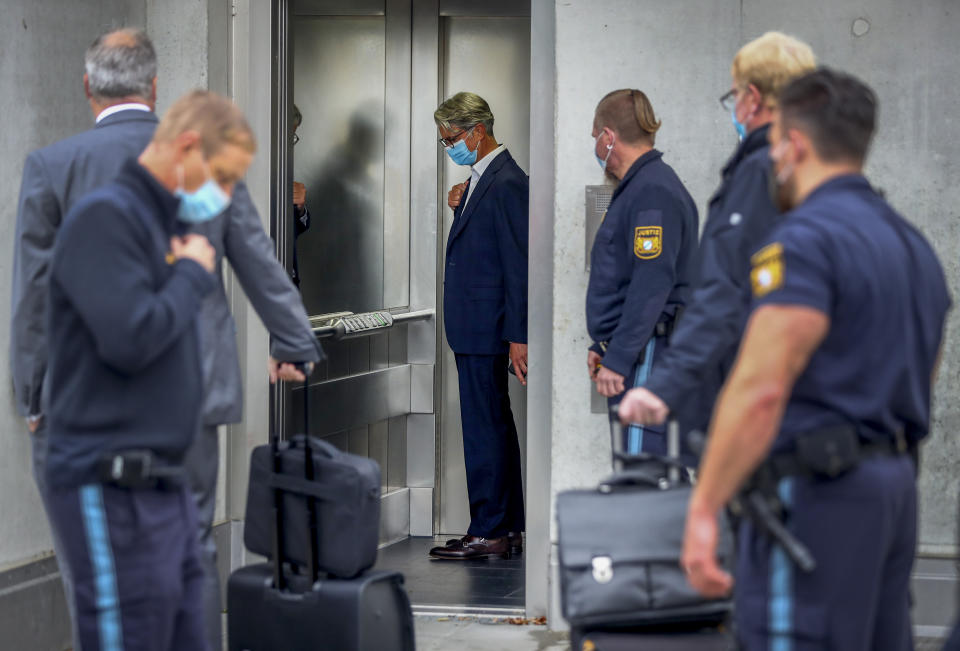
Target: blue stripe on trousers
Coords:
[[107, 600], [635, 432], [780, 608]]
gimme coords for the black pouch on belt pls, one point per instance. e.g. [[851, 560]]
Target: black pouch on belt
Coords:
[[829, 451]]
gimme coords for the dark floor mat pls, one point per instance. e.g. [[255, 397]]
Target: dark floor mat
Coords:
[[492, 583]]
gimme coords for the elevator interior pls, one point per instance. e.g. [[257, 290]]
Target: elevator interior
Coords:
[[366, 76]]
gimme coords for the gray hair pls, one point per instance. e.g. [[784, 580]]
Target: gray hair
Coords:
[[464, 111], [121, 64]]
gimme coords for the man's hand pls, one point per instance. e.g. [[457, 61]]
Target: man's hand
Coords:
[[33, 423], [194, 247], [609, 383], [286, 371], [643, 407], [593, 364], [299, 194], [455, 194], [699, 559], [518, 355]]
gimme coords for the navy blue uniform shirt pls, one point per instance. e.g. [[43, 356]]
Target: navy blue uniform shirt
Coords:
[[846, 253], [124, 344], [642, 261], [703, 347]]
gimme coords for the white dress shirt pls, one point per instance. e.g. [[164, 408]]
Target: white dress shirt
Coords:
[[116, 108], [478, 168]]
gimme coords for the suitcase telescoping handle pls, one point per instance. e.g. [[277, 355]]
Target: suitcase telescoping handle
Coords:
[[279, 580], [617, 443]]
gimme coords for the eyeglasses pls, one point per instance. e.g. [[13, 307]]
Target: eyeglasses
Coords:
[[452, 140], [729, 99], [296, 138]]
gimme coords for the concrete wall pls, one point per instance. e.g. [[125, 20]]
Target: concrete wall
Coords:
[[41, 69], [679, 54], [41, 99]]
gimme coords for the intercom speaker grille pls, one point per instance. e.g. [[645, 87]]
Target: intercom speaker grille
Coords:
[[597, 200]]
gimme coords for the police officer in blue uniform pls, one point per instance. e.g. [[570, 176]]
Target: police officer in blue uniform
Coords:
[[126, 285], [830, 393], [642, 259], [740, 214]]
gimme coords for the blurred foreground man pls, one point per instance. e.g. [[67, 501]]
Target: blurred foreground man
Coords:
[[126, 286], [830, 394], [120, 81], [686, 379]]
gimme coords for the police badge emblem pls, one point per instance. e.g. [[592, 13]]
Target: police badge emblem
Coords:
[[648, 242], [767, 272]]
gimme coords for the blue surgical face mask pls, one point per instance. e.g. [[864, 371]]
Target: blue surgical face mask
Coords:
[[738, 125], [203, 204], [602, 161], [460, 154]]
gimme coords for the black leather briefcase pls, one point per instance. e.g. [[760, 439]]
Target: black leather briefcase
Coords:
[[620, 547]]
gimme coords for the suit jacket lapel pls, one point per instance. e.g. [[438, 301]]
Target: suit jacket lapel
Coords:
[[460, 220]]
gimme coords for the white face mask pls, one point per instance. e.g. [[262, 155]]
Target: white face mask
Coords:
[[602, 161]]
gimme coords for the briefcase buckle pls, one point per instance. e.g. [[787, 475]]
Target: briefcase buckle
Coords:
[[602, 569]]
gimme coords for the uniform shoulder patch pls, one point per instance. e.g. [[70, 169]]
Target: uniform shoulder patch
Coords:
[[767, 269], [648, 242]]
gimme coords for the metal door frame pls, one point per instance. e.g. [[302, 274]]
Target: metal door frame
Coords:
[[251, 45]]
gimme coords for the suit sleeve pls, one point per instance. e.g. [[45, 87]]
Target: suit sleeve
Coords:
[[99, 265], [712, 322], [301, 220], [38, 217], [651, 278], [512, 228], [266, 283]]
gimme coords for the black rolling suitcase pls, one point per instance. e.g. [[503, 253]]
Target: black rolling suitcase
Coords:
[[290, 603], [619, 551]]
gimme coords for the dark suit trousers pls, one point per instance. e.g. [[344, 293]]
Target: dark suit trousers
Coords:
[[490, 447]]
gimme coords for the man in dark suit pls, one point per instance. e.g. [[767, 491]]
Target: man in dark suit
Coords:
[[120, 83], [485, 315]]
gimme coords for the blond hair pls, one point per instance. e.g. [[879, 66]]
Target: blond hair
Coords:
[[464, 111], [770, 62], [629, 113], [218, 121]]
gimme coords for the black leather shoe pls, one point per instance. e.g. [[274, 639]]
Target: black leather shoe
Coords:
[[515, 539], [473, 547]]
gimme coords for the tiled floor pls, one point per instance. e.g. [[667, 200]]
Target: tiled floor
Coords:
[[479, 585]]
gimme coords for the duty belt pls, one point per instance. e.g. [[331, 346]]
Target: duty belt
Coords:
[[831, 451], [662, 329], [825, 453], [138, 469]]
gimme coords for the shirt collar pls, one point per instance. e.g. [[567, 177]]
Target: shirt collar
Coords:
[[754, 141], [147, 186], [481, 165], [651, 155], [116, 108], [842, 182]]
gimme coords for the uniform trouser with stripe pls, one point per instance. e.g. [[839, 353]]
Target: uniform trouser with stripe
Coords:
[[637, 438], [202, 463], [861, 529], [136, 575]]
